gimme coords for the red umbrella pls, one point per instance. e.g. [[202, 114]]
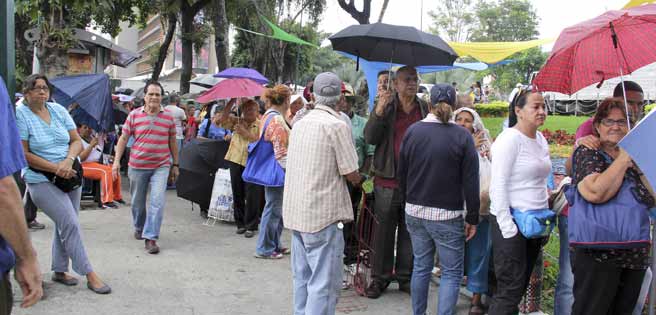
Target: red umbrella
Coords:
[[230, 88], [611, 45]]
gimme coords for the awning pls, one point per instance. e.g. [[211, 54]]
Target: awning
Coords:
[[119, 56], [493, 52], [635, 3]]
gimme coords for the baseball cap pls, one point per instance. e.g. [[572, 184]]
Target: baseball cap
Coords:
[[327, 84]]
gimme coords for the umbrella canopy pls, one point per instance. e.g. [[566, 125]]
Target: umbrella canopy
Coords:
[[231, 88], [585, 53], [636, 144], [92, 92], [205, 80], [199, 161], [242, 73], [393, 43]]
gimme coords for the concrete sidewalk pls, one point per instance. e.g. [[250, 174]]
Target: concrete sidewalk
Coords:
[[201, 270]]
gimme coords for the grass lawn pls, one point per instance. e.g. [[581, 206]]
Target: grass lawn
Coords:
[[553, 123]]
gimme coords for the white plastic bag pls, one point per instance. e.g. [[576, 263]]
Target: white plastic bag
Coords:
[[221, 206]]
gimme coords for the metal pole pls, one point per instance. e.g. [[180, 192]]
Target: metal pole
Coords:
[[421, 17], [652, 293], [7, 47]]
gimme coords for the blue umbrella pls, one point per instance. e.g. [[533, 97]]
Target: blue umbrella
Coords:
[[637, 144], [92, 92], [242, 73]]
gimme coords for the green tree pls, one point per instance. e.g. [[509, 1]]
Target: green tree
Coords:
[[55, 20], [509, 21], [454, 20]]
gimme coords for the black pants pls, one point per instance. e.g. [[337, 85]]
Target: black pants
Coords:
[[350, 228], [248, 199], [28, 206], [6, 296], [514, 259], [390, 211], [602, 288]]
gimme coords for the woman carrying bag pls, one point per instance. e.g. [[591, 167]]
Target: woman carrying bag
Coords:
[[266, 166]]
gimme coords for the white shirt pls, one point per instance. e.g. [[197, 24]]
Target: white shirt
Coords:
[[520, 167], [95, 155], [178, 117]]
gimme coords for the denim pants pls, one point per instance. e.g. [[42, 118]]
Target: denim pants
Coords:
[[477, 257], [564, 297], [63, 208], [148, 220], [268, 240], [448, 237], [317, 270]]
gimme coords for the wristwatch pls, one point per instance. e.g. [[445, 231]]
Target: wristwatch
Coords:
[[176, 165]]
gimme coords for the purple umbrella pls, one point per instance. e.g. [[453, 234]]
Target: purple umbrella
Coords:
[[242, 73]]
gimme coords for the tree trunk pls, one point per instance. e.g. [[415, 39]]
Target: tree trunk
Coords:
[[361, 16], [187, 26], [164, 48], [52, 58], [221, 39]]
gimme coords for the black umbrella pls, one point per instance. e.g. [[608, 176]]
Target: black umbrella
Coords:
[[199, 161], [393, 43]]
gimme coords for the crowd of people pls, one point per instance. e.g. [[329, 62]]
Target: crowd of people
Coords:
[[441, 187]]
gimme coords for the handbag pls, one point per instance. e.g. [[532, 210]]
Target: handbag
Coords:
[[65, 184], [262, 168], [621, 222], [534, 223]]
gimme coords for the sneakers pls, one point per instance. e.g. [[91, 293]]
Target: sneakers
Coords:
[[110, 204], [274, 255], [249, 234], [151, 247], [284, 251], [34, 225], [241, 230], [121, 201]]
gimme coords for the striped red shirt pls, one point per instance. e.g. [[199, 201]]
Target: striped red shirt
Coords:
[[151, 138]]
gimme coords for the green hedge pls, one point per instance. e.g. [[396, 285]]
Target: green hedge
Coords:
[[494, 109], [649, 107]]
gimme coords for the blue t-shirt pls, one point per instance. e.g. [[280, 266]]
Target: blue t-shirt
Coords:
[[215, 132], [12, 160], [49, 141]]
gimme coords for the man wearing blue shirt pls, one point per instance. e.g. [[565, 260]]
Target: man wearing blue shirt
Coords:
[[15, 245]]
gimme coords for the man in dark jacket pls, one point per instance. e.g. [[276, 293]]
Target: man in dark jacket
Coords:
[[392, 116]]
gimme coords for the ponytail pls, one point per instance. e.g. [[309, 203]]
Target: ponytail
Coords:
[[443, 111]]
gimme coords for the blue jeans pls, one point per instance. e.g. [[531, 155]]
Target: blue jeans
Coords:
[[268, 240], [449, 239], [477, 257], [148, 222], [564, 297], [317, 270]]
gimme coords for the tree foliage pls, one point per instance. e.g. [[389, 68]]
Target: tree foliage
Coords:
[[505, 21], [454, 20]]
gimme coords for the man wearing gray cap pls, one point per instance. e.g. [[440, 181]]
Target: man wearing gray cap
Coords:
[[320, 159]]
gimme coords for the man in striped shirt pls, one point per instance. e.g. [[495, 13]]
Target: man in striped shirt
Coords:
[[154, 147]]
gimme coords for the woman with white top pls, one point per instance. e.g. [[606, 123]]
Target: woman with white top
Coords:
[[520, 169]]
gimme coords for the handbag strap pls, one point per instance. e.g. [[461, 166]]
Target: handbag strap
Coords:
[[266, 123]]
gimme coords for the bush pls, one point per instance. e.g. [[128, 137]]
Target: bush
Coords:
[[559, 136], [494, 109], [649, 107]]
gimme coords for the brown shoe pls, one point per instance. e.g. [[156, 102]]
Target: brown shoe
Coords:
[[151, 247]]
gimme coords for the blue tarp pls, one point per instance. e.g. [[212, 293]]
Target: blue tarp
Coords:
[[93, 93], [372, 68]]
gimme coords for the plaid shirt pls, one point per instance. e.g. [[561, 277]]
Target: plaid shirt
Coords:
[[320, 153], [433, 214]]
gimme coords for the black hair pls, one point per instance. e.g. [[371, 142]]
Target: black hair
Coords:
[[149, 83], [30, 82], [519, 101], [629, 86], [391, 74]]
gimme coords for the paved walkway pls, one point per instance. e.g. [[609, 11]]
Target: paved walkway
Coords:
[[201, 270]]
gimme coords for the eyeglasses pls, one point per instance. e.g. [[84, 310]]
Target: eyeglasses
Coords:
[[41, 88], [611, 122]]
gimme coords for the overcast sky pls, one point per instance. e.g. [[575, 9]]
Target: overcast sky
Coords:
[[554, 14]]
